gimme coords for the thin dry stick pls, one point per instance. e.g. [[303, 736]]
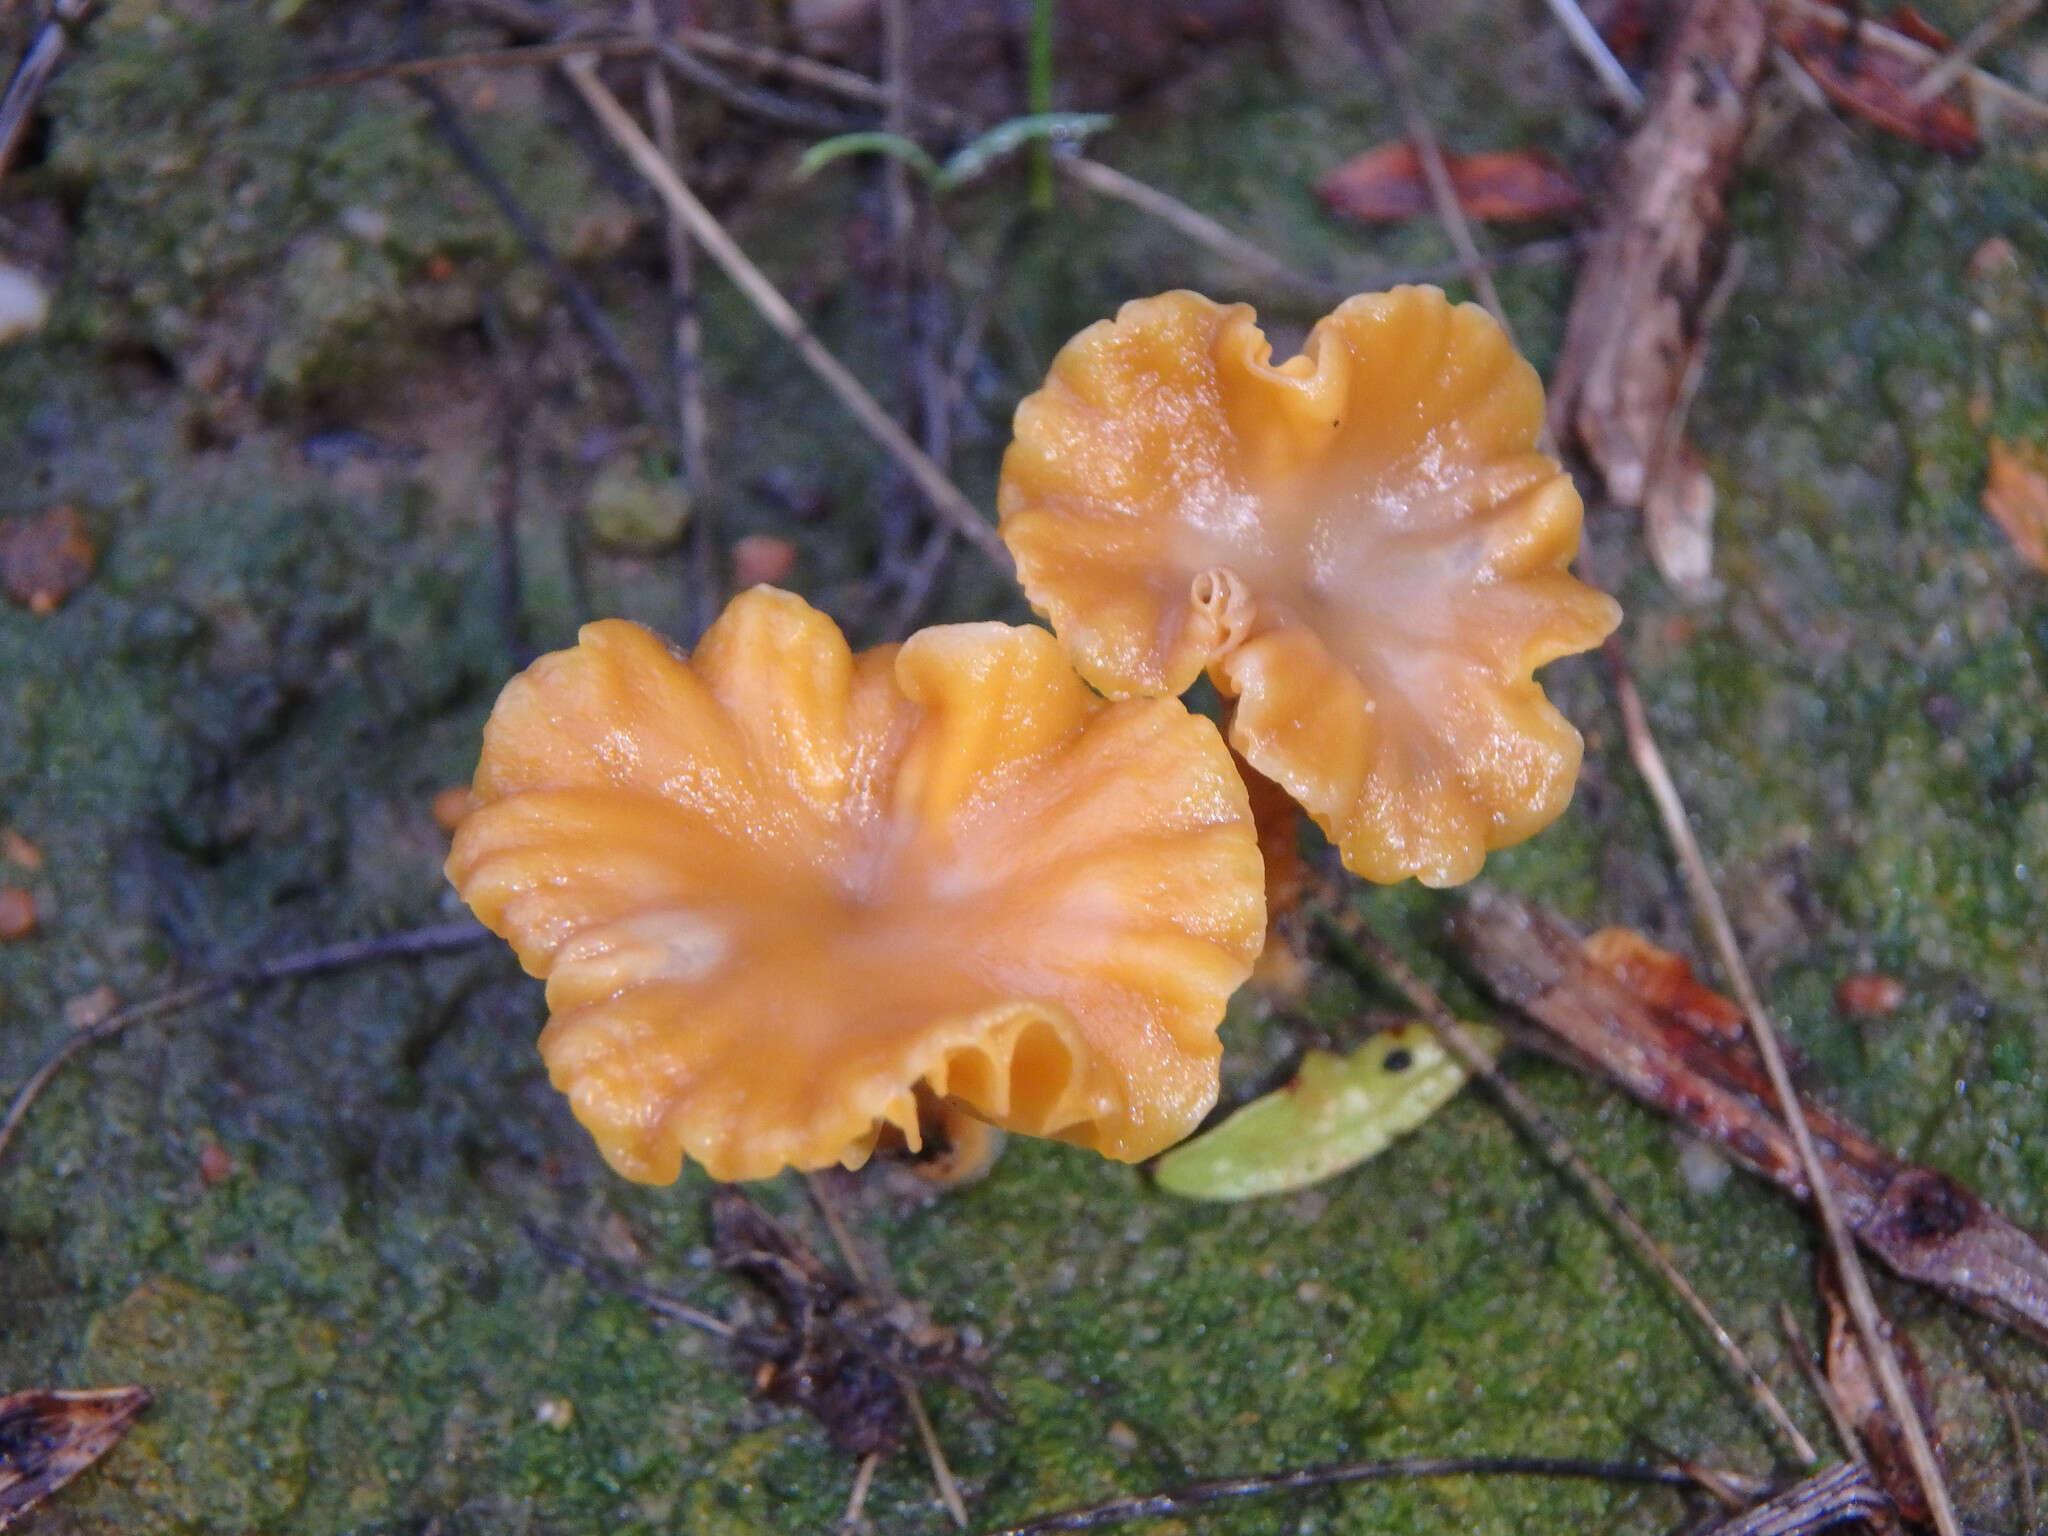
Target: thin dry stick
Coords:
[[25, 87], [844, 83], [702, 587], [658, 1302], [1107, 181], [582, 303], [1339, 916], [947, 500], [1830, 1399], [857, 1500], [1194, 1497], [1988, 85], [1649, 761], [935, 1454], [1393, 62], [1594, 50], [1959, 59], [310, 962], [942, 1472]]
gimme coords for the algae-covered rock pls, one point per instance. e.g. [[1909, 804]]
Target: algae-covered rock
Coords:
[[226, 1444]]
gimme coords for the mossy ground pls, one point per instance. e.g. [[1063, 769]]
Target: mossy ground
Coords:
[[227, 744]]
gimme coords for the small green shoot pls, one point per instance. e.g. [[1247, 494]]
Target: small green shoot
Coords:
[[971, 161]]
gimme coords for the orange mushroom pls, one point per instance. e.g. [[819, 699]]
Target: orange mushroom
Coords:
[[779, 891], [1362, 545]]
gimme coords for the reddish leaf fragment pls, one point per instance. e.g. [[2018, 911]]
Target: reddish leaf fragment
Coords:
[[48, 1438], [1386, 184], [1855, 1383], [1665, 981], [1908, 22], [17, 913], [1877, 86], [2016, 496], [43, 560]]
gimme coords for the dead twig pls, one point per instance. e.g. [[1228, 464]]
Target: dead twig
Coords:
[[703, 585], [947, 499], [1107, 181], [1393, 62], [1649, 761], [1637, 323], [33, 74], [576, 294], [1341, 918], [437, 939], [1194, 1497], [1958, 61], [567, 1255], [1594, 50]]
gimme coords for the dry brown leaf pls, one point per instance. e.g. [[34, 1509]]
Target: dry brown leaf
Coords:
[[43, 560], [48, 1438], [1386, 184], [1877, 85], [1856, 1388], [2016, 496]]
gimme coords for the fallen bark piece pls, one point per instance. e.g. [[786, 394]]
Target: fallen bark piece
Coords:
[[1924, 1225], [47, 1438], [1855, 1385], [1644, 302], [2016, 496], [1386, 185]]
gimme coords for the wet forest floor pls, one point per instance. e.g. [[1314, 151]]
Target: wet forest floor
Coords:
[[296, 370]]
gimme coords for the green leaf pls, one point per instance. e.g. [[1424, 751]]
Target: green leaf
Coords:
[[838, 147], [978, 154], [1337, 1112]]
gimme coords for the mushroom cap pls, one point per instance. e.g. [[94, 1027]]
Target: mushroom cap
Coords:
[[1362, 545], [774, 886]]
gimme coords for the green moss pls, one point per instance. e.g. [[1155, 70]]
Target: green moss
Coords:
[[226, 746]]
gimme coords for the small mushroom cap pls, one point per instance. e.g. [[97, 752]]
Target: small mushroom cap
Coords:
[[1362, 545], [774, 886]]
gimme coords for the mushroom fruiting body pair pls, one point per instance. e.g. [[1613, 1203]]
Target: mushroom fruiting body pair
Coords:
[[785, 895]]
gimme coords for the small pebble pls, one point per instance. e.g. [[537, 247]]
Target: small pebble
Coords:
[[554, 1412], [91, 1009], [759, 558], [451, 805], [24, 305], [1121, 1436], [1702, 1167], [17, 913]]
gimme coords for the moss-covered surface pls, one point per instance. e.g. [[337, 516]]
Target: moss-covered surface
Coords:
[[226, 747]]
